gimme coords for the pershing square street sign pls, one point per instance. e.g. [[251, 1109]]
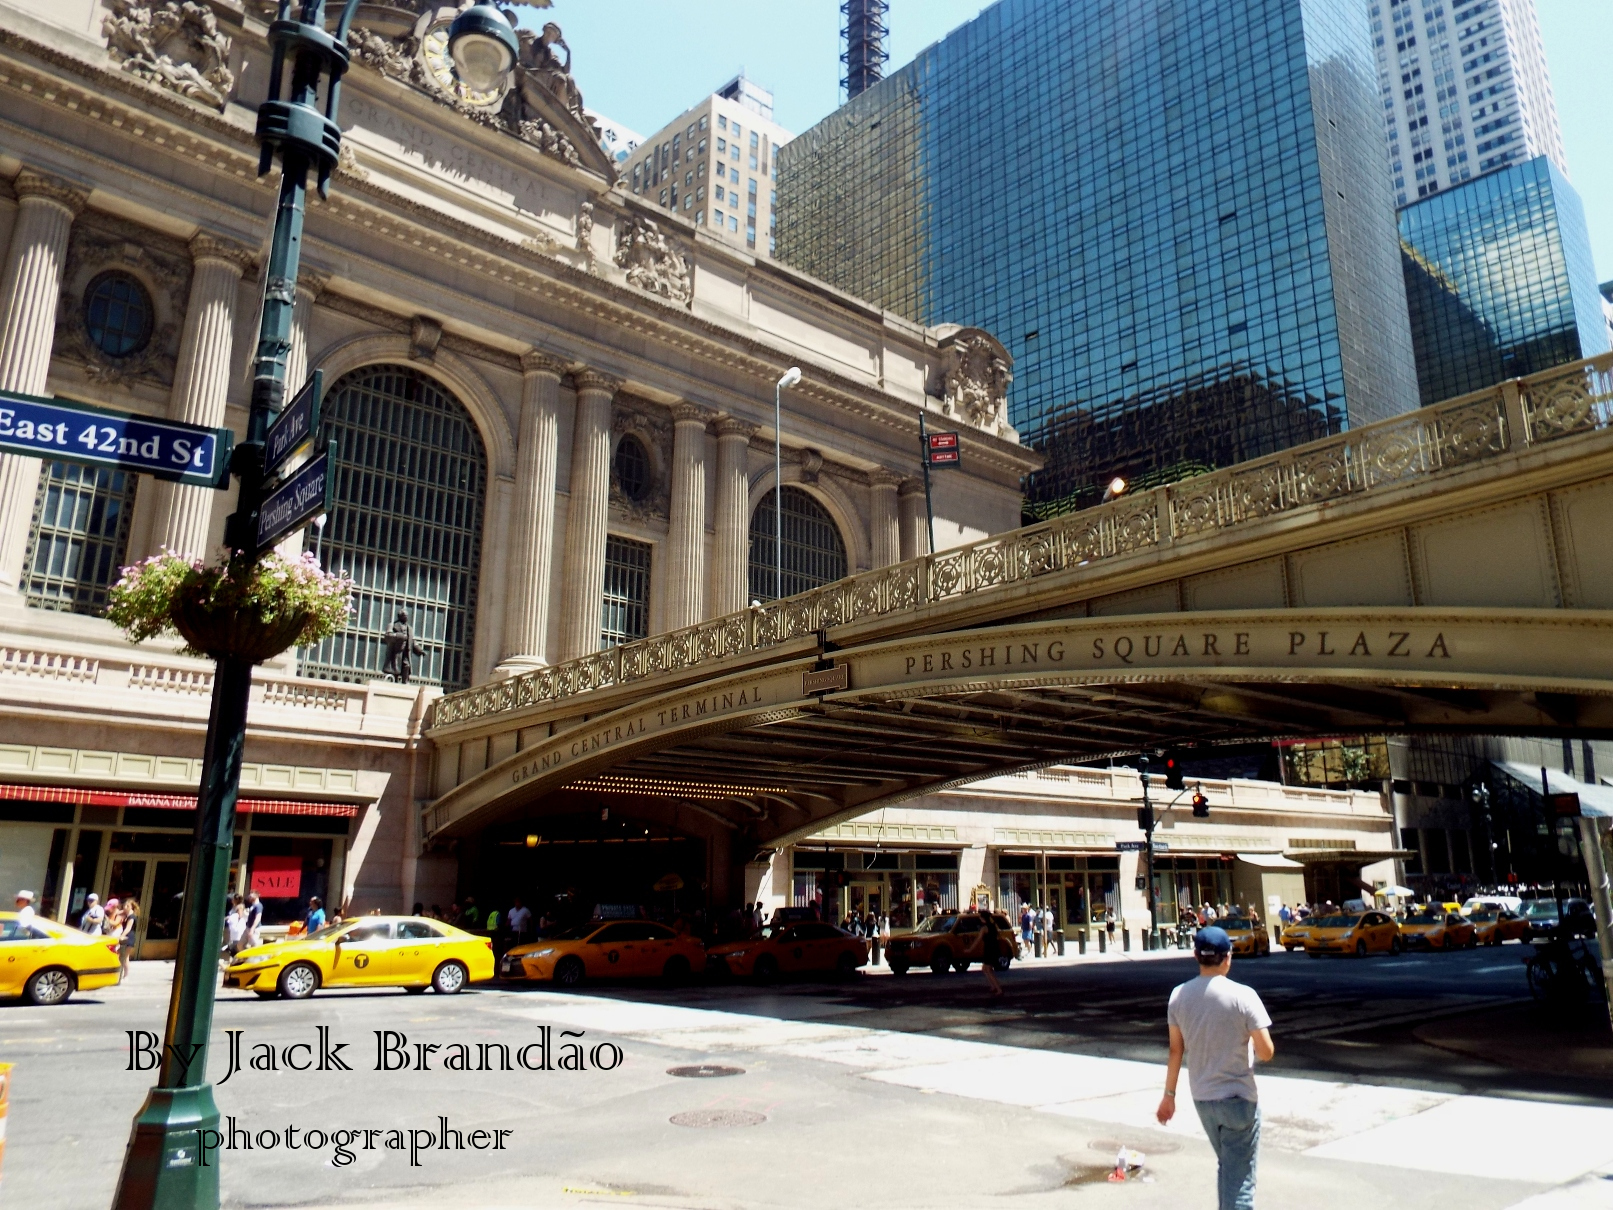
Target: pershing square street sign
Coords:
[[297, 501], [78, 432]]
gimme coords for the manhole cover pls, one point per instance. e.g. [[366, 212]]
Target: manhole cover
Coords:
[[704, 1071], [706, 1118]]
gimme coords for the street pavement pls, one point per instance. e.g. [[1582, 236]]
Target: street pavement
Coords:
[[875, 1091]]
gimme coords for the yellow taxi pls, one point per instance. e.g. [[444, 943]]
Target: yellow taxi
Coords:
[[1368, 933], [45, 962], [1437, 929], [1249, 939], [1295, 932], [410, 952], [614, 949], [950, 942], [807, 947]]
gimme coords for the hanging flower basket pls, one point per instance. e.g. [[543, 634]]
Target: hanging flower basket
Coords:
[[247, 609]]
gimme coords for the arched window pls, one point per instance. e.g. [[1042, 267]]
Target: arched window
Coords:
[[814, 552], [411, 480], [79, 535]]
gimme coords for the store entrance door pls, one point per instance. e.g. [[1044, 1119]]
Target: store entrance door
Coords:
[[158, 884]]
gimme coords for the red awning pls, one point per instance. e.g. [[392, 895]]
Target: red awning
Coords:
[[168, 802]]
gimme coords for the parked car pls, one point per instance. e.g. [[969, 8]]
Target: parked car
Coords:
[[1437, 929], [616, 949], [951, 942], [1369, 933]]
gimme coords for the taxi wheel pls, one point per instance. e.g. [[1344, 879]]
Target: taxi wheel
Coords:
[[1361, 949], [449, 979], [942, 962], [568, 971], [718, 970], [1002, 964], [961, 966], [898, 968], [846, 965], [1394, 947], [414, 990], [50, 986], [299, 981], [676, 970], [766, 968]]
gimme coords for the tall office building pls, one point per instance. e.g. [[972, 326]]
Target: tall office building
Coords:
[[1465, 90], [1499, 280], [717, 165], [1175, 213]]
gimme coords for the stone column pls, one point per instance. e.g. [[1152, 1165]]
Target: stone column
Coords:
[[686, 532], [884, 529], [915, 531], [537, 449], [184, 513], [32, 283], [310, 285], [588, 515], [730, 564]]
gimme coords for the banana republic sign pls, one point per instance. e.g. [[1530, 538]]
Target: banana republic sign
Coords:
[[1557, 649]]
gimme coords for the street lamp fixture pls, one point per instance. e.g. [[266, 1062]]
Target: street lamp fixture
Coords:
[[1117, 487], [789, 378], [172, 1158], [483, 47]]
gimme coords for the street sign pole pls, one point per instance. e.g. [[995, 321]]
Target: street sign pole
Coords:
[[165, 1166], [924, 456], [1148, 819]]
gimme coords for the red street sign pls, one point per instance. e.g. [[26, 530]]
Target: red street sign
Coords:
[[277, 877], [1565, 805], [943, 449]]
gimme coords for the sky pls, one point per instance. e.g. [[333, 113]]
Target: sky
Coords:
[[643, 62]]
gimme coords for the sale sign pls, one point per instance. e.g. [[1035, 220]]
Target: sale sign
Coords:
[[277, 877]]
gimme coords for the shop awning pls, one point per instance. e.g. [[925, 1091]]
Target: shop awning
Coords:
[[1270, 861], [1593, 800], [167, 802]]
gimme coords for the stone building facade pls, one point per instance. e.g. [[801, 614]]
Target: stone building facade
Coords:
[[553, 402]]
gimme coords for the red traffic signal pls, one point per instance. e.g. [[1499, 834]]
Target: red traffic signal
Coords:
[[1173, 771]]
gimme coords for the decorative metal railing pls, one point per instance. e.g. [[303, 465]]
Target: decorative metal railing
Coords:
[[1460, 432]]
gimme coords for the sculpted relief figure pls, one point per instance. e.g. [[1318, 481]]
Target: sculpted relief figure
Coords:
[[171, 44], [978, 371], [652, 264]]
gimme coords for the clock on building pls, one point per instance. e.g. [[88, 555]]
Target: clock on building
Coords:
[[434, 52]]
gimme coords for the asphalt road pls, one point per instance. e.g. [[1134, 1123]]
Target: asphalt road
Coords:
[[868, 1091]]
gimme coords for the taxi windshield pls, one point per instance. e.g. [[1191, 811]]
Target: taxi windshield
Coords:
[[1424, 918], [1538, 908], [1336, 922], [1483, 917], [1236, 926], [330, 930], [938, 924], [576, 932]]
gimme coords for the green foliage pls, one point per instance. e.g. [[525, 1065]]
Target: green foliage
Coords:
[[270, 592]]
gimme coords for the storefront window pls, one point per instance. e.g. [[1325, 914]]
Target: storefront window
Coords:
[[286, 871], [1078, 889], [1191, 882]]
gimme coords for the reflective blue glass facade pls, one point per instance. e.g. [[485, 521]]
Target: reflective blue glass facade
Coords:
[[1174, 213], [1499, 280]]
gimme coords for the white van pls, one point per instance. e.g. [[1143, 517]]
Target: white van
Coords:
[[1502, 903]]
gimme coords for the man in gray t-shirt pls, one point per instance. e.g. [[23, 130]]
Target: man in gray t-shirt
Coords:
[[1222, 1029]]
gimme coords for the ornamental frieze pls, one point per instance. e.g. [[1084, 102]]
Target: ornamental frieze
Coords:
[[172, 44], [651, 262]]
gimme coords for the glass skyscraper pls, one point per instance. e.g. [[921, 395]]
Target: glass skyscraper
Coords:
[[1499, 280], [1176, 214]]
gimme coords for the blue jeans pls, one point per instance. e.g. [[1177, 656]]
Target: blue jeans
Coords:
[[1234, 1129]]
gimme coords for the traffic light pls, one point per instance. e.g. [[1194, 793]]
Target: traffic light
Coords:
[[1201, 805], [1173, 771], [1145, 818]]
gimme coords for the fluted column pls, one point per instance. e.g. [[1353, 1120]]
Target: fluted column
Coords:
[[731, 553], [184, 513], [686, 531], [537, 450], [310, 285], [915, 534], [46, 209], [587, 515], [884, 527]]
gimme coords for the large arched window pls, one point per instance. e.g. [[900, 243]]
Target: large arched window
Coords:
[[411, 480], [814, 552]]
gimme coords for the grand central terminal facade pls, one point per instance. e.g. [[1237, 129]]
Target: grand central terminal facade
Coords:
[[553, 409]]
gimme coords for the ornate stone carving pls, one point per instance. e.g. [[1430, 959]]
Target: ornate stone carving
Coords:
[[205, 245], [978, 370], [174, 44], [163, 266], [733, 426], [425, 334], [536, 361], [652, 426], [585, 232], [394, 57], [596, 380], [811, 463], [652, 264], [28, 183]]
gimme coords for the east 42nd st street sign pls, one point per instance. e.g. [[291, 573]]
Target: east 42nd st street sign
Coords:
[[64, 431]]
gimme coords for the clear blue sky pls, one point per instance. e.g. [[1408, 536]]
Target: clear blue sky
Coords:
[[642, 62]]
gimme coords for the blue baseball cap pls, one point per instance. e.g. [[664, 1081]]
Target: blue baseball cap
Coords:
[[1212, 942]]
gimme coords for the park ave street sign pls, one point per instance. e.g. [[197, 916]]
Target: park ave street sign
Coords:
[[297, 501], [294, 427], [64, 431]]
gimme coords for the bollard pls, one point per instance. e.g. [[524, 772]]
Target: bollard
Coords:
[[1036, 945], [1103, 941], [1058, 935], [1081, 942], [1125, 940], [876, 951]]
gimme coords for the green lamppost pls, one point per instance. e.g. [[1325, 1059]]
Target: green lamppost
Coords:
[[171, 1163]]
